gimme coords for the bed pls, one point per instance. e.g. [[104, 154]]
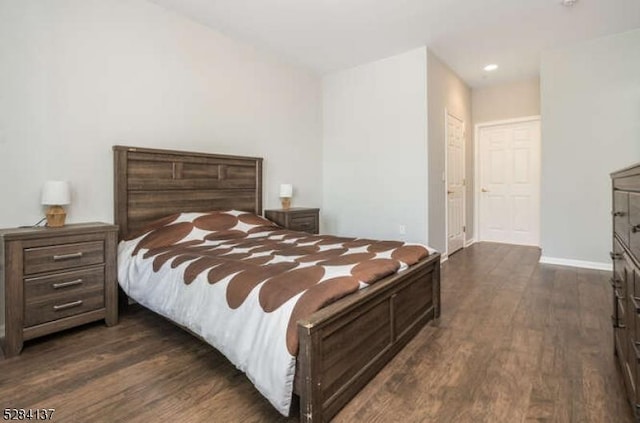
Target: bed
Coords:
[[337, 353]]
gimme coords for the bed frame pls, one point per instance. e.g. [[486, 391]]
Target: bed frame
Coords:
[[343, 345]]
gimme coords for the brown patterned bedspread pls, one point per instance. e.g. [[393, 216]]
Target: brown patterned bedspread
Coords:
[[249, 252]]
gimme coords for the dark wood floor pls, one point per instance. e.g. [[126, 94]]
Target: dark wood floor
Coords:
[[517, 341]]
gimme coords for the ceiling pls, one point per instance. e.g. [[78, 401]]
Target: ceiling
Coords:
[[328, 35]]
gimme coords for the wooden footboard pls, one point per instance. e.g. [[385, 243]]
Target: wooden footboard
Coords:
[[347, 343]]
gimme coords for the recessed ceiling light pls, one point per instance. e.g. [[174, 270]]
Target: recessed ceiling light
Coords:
[[568, 3], [491, 67]]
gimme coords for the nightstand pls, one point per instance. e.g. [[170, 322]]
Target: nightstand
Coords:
[[55, 278], [296, 218]]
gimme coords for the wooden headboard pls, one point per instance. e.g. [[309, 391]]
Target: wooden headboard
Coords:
[[151, 183]]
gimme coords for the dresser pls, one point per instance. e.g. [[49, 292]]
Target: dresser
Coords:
[[625, 280], [55, 278], [296, 218]]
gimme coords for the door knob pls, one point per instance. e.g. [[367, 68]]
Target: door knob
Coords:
[[449, 192], [484, 190]]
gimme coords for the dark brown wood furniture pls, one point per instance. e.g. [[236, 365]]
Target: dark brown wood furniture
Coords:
[[341, 346], [626, 278], [55, 278], [296, 218]]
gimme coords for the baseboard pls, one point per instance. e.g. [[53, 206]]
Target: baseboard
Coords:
[[443, 258], [470, 242], [576, 263]]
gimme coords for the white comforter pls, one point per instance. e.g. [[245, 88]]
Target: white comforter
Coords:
[[251, 335]]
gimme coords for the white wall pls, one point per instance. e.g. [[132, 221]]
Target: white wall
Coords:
[[375, 149], [78, 76], [590, 127], [506, 101], [446, 92]]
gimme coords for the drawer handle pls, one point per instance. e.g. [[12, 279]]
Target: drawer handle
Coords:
[[635, 350], [615, 256], [67, 305], [617, 214], [635, 229], [67, 256], [616, 323], [67, 284]]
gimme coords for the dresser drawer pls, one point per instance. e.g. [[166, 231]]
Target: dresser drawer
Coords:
[[303, 222], [632, 368], [620, 305], [620, 337], [67, 283], [634, 278], [621, 215], [619, 265], [63, 256], [49, 308], [634, 224], [621, 309]]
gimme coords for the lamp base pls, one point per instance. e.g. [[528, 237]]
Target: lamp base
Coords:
[[286, 203], [56, 216]]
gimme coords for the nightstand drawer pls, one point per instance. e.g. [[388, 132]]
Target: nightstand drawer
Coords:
[[64, 256], [303, 222], [68, 283], [51, 308]]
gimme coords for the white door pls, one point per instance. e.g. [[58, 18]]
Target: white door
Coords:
[[509, 183], [455, 184]]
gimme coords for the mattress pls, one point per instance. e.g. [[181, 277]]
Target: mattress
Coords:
[[241, 283]]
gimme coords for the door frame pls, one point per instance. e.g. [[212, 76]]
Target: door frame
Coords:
[[447, 113], [476, 164]]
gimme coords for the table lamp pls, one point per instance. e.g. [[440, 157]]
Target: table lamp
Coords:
[[286, 192], [56, 194]]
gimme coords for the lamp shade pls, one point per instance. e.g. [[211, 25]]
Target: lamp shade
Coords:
[[56, 193], [286, 190]]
